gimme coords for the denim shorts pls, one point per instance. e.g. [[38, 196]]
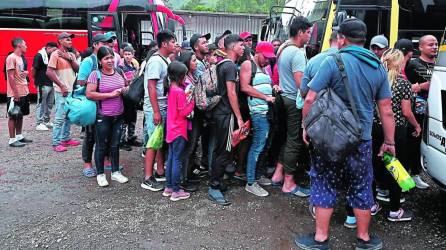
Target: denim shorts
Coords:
[[149, 127], [355, 174]]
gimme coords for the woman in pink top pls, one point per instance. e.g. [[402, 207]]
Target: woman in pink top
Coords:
[[179, 105], [105, 86]]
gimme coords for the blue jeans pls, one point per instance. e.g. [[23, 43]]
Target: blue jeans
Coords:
[[45, 101], [260, 129], [174, 165], [108, 136], [149, 127], [61, 126]]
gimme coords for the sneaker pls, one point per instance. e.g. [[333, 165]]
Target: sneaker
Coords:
[[17, 144], [350, 222], [374, 243], [375, 208], [201, 171], [117, 176], [42, 127], [188, 187], [102, 180], [125, 146], [160, 178], [419, 182], [49, 124], [312, 210], [401, 215], [263, 181], [180, 195], [387, 198], [71, 142], [59, 148], [152, 185], [134, 142], [382, 192], [256, 189], [308, 242], [25, 140], [298, 191], [143, 154], [167, 192], [240, 177]]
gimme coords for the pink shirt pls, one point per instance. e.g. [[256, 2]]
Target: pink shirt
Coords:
[[177, 111]]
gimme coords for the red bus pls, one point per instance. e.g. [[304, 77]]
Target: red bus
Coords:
[[40, 21]]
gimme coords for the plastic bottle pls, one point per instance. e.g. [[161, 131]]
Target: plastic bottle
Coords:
[[398, 172]]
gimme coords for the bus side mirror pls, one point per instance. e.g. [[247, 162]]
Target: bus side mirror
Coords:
[[171, 25]]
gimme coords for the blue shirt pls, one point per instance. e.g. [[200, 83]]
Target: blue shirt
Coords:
[[87, 66], [291, 60], [262, 83], [367, 84], [313, 66], [201, 68]]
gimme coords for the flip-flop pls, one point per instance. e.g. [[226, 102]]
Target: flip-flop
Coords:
[[298, 191], [217, 197], [109, 168], [89, 172]]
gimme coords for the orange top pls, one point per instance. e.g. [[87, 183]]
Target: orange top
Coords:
[[63, 69], [15, 62]]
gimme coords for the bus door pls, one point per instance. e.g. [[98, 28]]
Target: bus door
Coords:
[[102, 22], [138, 31]]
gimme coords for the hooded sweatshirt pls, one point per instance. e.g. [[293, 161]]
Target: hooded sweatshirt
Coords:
[[367, 80]]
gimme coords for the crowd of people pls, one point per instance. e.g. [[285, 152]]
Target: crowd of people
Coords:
[[252, 129]]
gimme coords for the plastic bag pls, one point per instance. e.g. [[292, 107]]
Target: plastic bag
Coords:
[[14, 111], [157, 138]]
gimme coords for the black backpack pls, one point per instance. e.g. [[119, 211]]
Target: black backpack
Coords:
[[334, 129]]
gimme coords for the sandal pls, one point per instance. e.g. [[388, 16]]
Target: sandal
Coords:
[[89, 172], [216, 196], [298, 191], [276, 184]]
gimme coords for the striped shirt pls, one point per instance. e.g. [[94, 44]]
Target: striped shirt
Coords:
[[262, 83], [109, 83]]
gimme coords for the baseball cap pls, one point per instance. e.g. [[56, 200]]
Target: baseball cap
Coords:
[[110, 35], [353, 28], [64, 35], [245, 34], [380, 41], [99, 38], [405, 45], [195, 37], [186, 45], [218, 38], [266, 49]]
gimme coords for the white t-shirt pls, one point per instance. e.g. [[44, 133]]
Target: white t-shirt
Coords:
[[156, 69]]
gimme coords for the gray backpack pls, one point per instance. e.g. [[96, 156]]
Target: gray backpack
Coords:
[[333, 128]]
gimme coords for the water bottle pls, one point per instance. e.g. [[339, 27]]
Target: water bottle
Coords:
[[398, 172]]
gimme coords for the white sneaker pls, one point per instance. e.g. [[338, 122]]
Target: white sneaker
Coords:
[[117, 176], [49, 124], [256, 189], [102, 180], [41, 127], [419, 182]]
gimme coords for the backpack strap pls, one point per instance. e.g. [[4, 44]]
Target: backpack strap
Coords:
[[98, 80], [341, 67], [283, 47], [253, 71]]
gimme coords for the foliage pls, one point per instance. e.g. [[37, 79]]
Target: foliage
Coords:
[[232, 6]]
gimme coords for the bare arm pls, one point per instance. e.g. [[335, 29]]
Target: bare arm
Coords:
[[309, 100], [51, 73], [408, 114], [388, 123], [245, 80], [92, 94], [13, 84], [81, 82], [298, 79], [233, 100], [154, 101]]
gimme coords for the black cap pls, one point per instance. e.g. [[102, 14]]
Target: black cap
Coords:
[[218, 38], [212, 47], [99, 38], [354, 29], [193, 40], [405, 45]]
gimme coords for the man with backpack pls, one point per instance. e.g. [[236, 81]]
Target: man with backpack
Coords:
[[291, 61], [256, 84], [87, 66], [155, 106], [62, 69], [359, 79], [222, 119], [199, 45]]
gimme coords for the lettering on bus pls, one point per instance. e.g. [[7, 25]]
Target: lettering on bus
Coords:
[[442, 139]]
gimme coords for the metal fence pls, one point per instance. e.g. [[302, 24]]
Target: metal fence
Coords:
[[217, 23]]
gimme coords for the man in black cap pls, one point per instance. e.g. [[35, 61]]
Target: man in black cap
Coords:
[[406, 46], [199, 44], [367, 80]]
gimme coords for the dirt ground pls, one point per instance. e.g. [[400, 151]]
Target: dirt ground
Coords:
[[46, 203]]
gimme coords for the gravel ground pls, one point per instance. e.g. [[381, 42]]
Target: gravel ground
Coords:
[[46, 203]]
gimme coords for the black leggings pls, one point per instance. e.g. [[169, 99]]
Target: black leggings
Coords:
[[382, 175]]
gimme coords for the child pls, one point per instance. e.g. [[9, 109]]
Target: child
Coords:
[[179, 105]]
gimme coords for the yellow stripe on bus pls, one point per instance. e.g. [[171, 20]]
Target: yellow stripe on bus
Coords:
[[442, 48]]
